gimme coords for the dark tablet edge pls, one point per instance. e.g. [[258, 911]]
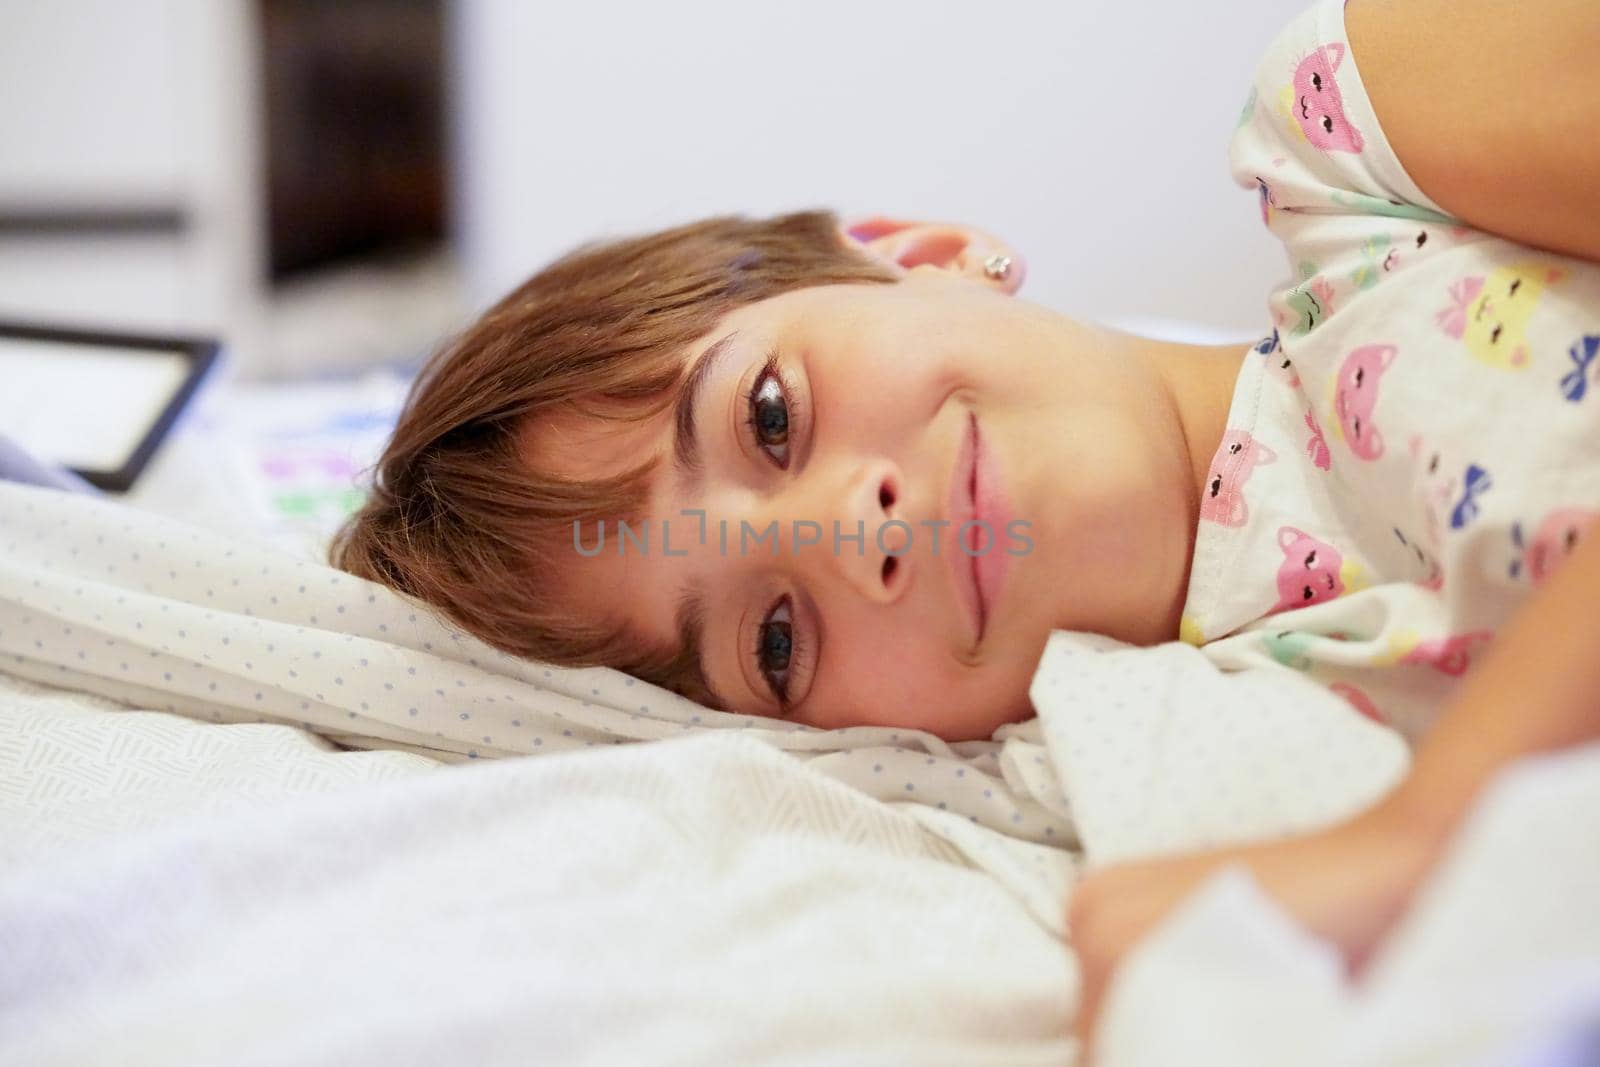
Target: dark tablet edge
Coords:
[[202, 353]]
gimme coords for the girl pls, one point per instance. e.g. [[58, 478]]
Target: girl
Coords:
[[862, 480]]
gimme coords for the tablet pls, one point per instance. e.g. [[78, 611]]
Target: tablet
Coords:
[[96, 403]]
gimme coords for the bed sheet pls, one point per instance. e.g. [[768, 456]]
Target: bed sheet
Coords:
[[158, 614], [701, 900], [705, 899], [129, 634]]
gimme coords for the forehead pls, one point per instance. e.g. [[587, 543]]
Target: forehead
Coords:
[[574, 444], [590, 437], [586, 444]]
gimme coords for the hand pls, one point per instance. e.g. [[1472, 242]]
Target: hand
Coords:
[[1347, 884]]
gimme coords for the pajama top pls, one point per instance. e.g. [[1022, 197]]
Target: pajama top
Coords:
[[1415, 443]]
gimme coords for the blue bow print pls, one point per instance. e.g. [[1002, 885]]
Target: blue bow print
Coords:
[[1576, 381], [1477, 482]]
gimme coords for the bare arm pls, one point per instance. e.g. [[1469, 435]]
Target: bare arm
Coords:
[[1493, 108]]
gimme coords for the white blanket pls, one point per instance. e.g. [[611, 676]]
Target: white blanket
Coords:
[[703, 900], [203, 885], [159, 614]]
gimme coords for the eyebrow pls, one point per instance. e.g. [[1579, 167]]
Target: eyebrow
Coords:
[[685, 440], [691, 621], [690, 614]]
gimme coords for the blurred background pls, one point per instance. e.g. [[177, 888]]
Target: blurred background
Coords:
[[333, 186]]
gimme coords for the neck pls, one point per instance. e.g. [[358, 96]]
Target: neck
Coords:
[[1196, 383], [1199, 380]]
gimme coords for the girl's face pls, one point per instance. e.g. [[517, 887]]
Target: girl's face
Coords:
[[937, 399]]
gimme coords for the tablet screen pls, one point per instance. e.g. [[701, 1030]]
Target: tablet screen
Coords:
[[85, 406]]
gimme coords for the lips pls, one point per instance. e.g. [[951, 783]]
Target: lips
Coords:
[[990, 506], [961, 508]]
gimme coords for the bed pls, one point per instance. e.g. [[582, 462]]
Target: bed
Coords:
[[256, 810]]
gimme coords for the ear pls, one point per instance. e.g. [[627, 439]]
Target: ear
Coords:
[[945, 248]]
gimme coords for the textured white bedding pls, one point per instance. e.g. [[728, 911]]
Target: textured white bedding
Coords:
[[701, 900], [213, 880]]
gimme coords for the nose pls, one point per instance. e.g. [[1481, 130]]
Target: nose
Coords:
[[878, 566], [865, 538]]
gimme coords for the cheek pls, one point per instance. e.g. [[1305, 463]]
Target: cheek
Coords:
[[880, 379], [1101, 477], [871, 680], [874, 403], [918, 684]]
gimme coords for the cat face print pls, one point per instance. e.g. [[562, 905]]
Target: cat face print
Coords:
[[1552, 541], [1223, 500], [1317, 106], [1356, 396], [1310, 570]]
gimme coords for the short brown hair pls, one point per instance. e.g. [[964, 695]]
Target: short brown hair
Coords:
[[458, 517]]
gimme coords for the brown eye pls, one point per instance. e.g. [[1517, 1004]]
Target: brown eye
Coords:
[[1516, 283], [1494, 334], [769, 417], [1311, 560], [1327, 123], [1216, 485], [775, 649], [1316, 82]]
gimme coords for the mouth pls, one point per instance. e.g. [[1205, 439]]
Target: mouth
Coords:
[[961, 510], [980, 515], [1305, 112]]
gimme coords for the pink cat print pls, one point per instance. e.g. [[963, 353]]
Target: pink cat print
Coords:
[[1309, 573], [1357, 396], [1452, 654], [1231, 467], [1554, 540], [1318, 105]]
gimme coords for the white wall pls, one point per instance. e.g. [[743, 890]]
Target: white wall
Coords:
[[1091, 134], [115, 69], [131, 104]]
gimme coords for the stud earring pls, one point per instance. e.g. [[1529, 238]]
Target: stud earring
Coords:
[[997, 266]]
